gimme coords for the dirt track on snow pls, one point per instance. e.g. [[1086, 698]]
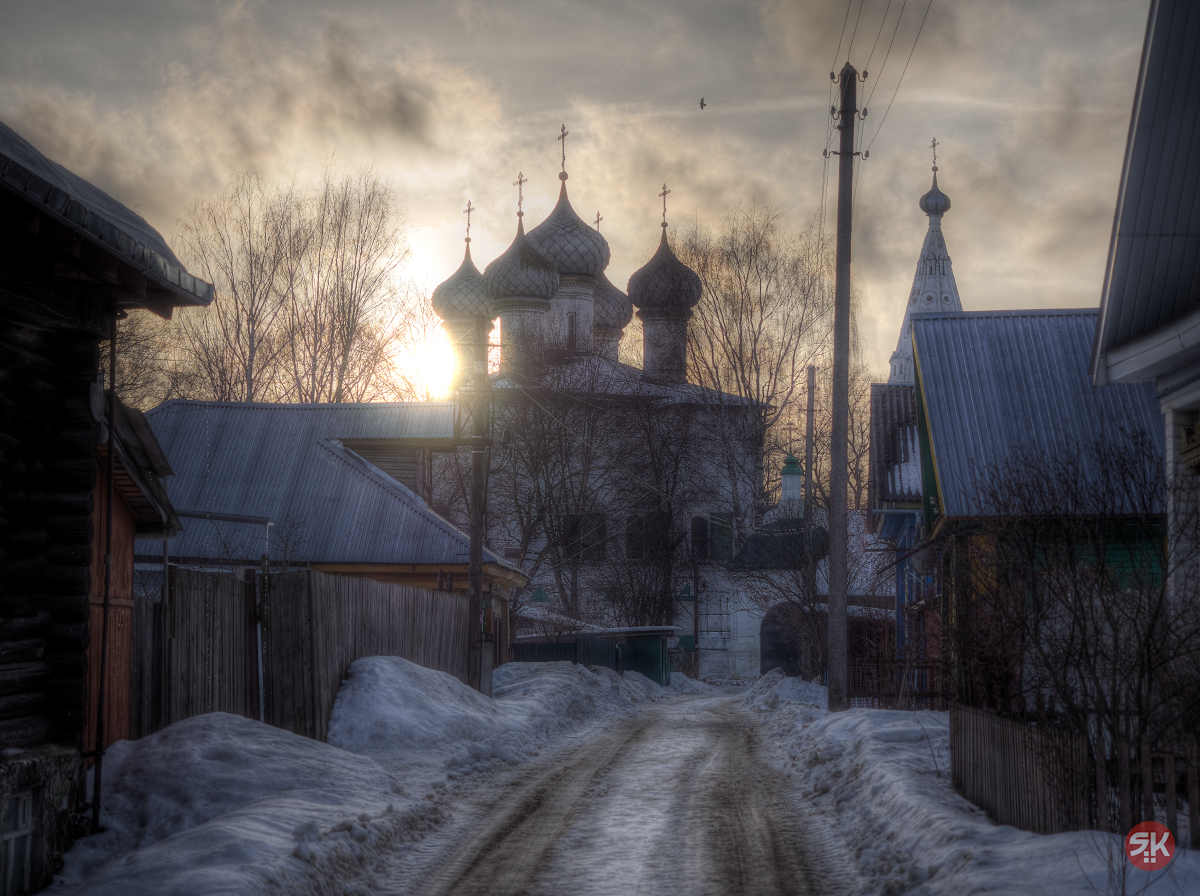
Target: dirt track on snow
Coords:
[[672, 800]]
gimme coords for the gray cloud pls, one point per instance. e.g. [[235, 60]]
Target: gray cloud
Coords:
[[1030, 99]]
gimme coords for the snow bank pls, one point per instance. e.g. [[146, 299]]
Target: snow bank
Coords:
[[388, 706], [219, 804], [222, 804], [881, 780], [681, 684], [775, 689]]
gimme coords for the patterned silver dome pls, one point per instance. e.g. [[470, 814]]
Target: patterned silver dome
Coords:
[[520, 272], [462, 295], [935, 202], [613, 310], [665, 284], [564, 240]]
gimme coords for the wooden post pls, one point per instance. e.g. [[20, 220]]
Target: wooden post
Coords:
[[1169, 795], [836, 630], [1124, 790], [1147, 776], [1193, 793], [1102, 822]]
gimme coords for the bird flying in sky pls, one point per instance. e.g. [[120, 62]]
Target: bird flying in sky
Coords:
[[702, 104]]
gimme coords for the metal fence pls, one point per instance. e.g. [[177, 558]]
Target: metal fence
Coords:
[[896, 685], [586, 650]]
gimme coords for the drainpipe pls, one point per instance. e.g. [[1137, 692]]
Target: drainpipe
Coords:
[[108, 564]]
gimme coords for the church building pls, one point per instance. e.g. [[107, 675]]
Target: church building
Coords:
[[621, 491], [894, 489]]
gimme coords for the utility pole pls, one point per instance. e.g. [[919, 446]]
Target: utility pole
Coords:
[[810, 566], [836, 647], [479, 411]]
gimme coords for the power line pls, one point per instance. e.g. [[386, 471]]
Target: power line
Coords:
[[882, 22], [902, 74], [888, 54], [855, 31], [838, 51]]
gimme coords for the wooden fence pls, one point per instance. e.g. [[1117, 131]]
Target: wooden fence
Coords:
[[199, 652], [316, 625], [1047, 780], [195, 654]]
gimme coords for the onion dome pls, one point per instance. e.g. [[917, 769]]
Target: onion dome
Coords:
[[665, 284], [563, 239], [935, 202], [462, 295], [520, 272], [613, 310]]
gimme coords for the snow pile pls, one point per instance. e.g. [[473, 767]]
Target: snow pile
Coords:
[[775, 689], [881, 780], [222, 804], [388, 707], [681, 684]]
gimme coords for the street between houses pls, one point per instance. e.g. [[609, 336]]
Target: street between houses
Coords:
[[675, 799]]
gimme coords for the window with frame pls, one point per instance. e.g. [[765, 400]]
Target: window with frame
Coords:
[[720, 537], [700, 537], [586, 537]]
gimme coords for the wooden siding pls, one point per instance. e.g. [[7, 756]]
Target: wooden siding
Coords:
[[120, 618]]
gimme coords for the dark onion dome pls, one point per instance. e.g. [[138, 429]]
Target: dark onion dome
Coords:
[[665, 284], [612, 308], [563, 239], [462, 295], [520, 272], [935, 202]]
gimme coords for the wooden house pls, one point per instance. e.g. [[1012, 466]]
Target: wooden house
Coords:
[[1005, 410], [72, 260]]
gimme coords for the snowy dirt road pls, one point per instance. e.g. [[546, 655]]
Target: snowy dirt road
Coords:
[[674, 799]]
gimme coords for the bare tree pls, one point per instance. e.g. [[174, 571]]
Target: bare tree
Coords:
[[1073, 604], [343, 308], [238, 242], [765, 315]]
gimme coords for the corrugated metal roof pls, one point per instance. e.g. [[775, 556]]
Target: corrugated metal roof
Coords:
[[895, 467], [281, 462], [1153, 274], [94, 214], [999, 382]]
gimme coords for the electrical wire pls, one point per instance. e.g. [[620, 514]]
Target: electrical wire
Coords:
[[887, 55], [882, 22], [902, 74], [838, 51], [855, 31]]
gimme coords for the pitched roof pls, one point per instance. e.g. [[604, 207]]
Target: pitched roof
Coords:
[[95, 216], [284, 462], [895, 464], [997, 383], [1153, 275]]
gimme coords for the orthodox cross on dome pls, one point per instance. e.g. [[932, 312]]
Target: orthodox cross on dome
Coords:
[[934, 146], [598, 220], [663, 196], [467, 211], [563, 139], [520, 183]]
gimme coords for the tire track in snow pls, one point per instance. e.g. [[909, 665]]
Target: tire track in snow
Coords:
[[674, 799]]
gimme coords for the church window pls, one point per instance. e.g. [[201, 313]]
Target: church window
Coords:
[[929, 298], [720, 537], [700, 537], [946, 300], [585, 537]]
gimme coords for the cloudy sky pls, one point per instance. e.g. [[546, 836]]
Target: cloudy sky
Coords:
[[161, 102]]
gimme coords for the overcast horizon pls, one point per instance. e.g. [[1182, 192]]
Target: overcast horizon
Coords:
[[161, 103]]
